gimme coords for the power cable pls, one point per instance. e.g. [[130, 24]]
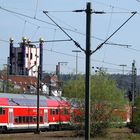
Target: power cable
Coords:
[[66, 54], [101, 45], [16, 13], [75, 42], [64, 23], [24, 27], [36, 8], [53, 38], [109, 26], [108, 5], [35, 32], [13, 12]]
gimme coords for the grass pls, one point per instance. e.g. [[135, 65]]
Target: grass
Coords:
[[113, 134], [119, 134]]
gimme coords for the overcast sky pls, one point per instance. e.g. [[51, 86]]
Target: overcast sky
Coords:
[[26, 18]]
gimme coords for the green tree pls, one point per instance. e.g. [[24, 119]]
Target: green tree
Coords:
[[135, 125], [105, 97]]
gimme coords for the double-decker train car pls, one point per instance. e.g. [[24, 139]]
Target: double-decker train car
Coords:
[[19, 111], [58, 112]]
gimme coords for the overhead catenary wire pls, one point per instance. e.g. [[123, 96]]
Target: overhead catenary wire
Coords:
[[23, 15], [75, 42], [24, 27], [66, 54], [63, 22], [109, 5], [101, 45], [108, 29], [36, 8], [35, 32]]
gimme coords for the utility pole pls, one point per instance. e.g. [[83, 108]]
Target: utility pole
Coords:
[[41, 40], [58, 71], [123, 65], [88, 53], [87, 79], [133, 87], [11, 56], [38, 112], [76, 51], [7, 76]]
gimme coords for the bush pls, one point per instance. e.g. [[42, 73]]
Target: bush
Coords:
[[135, 125]]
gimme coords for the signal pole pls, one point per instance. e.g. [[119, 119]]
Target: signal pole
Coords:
[[133, 87]]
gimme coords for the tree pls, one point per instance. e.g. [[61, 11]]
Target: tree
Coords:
[[105, 97], [135, 124]]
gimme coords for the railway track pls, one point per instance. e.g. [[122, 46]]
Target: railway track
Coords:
[[68, 133]]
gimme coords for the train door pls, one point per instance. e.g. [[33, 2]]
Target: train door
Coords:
[[10, 117], [46, 117]]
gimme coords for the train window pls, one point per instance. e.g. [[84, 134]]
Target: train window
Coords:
[[2, 111], [23, 119], [20, 119], [27, 119], [65, 111], [31, 119], [41, 119], [16, 119], [52, 112], [34, 119], [56, 111]]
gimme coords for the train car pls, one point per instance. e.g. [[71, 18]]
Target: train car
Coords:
[[77, 114], [18, 111], [64, 107], [58, 113]]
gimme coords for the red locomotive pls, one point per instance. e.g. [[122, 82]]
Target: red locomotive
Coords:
[[19, 111]]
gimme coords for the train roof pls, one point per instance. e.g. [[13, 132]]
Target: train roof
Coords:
[[31, 100]]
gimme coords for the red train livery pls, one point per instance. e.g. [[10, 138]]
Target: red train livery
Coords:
[[19, 111]]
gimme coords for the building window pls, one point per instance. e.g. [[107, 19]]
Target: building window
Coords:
[[31, 55], [20, 56], [27, 55]]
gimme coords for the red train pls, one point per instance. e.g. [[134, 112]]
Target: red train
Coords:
[[19, 111]]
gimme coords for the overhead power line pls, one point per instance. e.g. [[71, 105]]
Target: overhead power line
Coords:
[[101, 45], [30, 17], [95, 60], [75, 42]]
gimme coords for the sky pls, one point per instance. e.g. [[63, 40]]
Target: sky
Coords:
[[26, 18]]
